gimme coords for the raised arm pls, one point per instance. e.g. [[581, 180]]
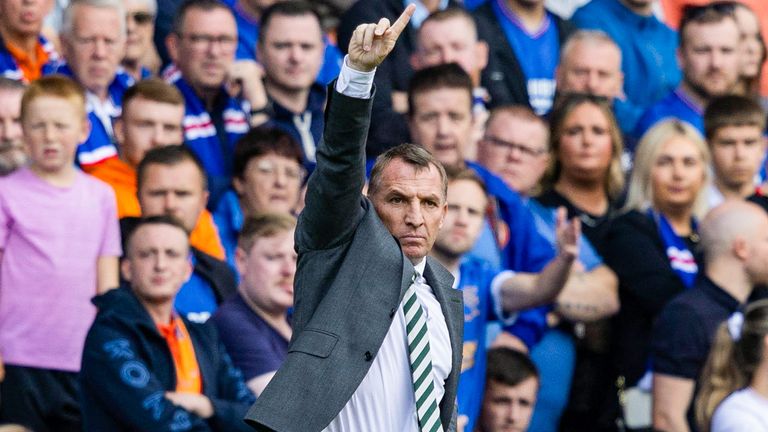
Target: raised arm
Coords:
[[526, 290], [334, 191]]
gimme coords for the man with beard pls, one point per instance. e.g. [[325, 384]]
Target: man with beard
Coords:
[[709, 57], [12, 154]]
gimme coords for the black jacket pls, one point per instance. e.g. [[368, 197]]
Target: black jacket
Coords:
[[127, 367], [635, 252], [503, 78]]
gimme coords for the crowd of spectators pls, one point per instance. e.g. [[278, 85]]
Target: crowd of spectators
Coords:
[[153, 156]]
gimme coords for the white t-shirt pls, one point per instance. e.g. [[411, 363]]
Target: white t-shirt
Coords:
[[743, 411]]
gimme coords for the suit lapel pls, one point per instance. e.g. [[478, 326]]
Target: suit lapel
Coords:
[[451, 304]]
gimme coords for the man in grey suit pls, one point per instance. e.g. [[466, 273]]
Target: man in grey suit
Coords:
[[354, 363]]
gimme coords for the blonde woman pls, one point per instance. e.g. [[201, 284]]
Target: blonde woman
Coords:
[[651, 245], [734, 390]]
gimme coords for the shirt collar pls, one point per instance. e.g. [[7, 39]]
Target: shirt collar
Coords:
[[420, 266], [718, 294]]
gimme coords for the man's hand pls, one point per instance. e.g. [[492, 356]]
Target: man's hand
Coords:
[[245, 79], [567, 235], [194, 403], [371, 43]]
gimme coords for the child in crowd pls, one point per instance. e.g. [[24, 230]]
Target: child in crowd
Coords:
[[59, 243]]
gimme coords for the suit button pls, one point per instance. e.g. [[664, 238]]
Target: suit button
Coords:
[[392, 312], [368, 356]]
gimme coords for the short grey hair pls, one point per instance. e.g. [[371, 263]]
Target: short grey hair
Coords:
[[593, 37], [67, 18], [412, 154]]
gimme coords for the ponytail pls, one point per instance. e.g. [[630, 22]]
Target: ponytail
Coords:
[[735, 355], [720, 377]]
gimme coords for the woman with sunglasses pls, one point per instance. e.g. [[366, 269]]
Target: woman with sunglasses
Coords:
[[651, 246], [734, 390]]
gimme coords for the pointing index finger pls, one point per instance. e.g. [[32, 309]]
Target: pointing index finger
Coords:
[[402, 21]]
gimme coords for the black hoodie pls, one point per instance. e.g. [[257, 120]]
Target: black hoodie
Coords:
[[127, 367]]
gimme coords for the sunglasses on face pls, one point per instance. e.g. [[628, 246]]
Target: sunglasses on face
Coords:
[[141, 18]]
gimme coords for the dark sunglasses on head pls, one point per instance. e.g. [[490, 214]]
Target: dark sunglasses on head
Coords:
[[141, 18], [693, 12]]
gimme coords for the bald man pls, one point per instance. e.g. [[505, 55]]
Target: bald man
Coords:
[[734, 238]]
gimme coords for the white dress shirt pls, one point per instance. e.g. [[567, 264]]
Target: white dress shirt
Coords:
[[384, 401]]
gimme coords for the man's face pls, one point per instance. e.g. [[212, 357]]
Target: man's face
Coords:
[[710, 57], [292, 51], [157, 262], [94, 49], [12, 154], [516, 150], [737, 153], [591, 67], [507, 408], [175, 190], [205, 49], [464, 219], [146, 124], [140, 27], [270, 183], [411, 205], [267, 270], [451, 41], [441, 122], [24, 17]]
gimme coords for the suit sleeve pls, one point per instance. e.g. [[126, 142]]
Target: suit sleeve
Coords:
[[113, 372], [334, 191]]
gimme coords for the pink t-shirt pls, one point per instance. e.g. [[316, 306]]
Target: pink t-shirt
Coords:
[[51, 239]]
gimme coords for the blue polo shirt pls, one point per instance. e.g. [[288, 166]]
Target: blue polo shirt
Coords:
[[647, 48], [538, 53], [474, 281], [521, 247], [676, 104]]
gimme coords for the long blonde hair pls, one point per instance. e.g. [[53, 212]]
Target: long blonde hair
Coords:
[[731, 363], [640, 193]]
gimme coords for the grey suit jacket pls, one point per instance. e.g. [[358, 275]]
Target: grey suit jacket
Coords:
[[350, 279]]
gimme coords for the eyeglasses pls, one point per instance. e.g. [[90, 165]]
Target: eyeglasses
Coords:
[[203, 41], [509, 146], [269, 168], [695, 12], [140, 18]]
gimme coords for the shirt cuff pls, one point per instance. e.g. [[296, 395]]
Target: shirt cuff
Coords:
[[506, 319], [353, 83]]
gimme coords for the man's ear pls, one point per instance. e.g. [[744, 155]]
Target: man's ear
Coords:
[[241, 259], [481, 54], [172, 45], [740, 249], [238, 185], [119, 130], [125, 268]]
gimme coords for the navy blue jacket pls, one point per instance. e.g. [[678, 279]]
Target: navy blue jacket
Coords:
[[127, 368]]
